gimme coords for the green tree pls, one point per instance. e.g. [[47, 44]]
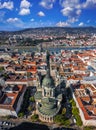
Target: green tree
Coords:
[[58, 118], [75, 111], [21, 114], [63, 111], [32, 99], [73, 102], [78, 120], [67, 122], [1, 69], [89, 128], [62, 120], [35, 117], [30, 108]]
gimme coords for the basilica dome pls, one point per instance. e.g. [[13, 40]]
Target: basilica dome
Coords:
[[48, 81]]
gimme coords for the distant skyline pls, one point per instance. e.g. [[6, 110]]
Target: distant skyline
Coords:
[[21, 14]]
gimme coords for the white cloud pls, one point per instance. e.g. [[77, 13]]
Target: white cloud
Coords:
[[72, 20], [63, 24], [32, 20], [78, 12], [12, 20], [7, 5], [48, 4], [25, 4], [81, 24], [89, 4], [24, 11], [71, 13], [24, 7], [71, 9], [41, 14], [70, 3], [16, 22], [67, 11]]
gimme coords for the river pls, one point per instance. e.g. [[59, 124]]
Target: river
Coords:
[[56, 49]]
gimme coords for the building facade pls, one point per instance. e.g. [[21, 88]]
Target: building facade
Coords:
[[48, 99]]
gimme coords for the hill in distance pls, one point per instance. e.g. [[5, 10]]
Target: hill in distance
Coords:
[[52, 30]]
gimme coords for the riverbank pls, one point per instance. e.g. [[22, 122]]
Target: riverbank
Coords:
[[56, 49], [27, 124]]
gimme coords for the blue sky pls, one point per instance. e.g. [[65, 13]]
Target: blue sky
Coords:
[[19, 14]]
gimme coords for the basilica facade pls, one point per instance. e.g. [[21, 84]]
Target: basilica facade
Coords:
[[48, 99]]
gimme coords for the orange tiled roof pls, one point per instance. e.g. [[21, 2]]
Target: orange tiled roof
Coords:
[[15, 97], [87, 117]]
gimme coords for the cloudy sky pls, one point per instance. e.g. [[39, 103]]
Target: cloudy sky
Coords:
[[19, 14]]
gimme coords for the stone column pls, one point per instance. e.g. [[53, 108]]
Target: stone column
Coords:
[[43, 93]]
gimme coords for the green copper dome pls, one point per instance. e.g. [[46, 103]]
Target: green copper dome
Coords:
[[48, 107], [48, 103], [48, 81]]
